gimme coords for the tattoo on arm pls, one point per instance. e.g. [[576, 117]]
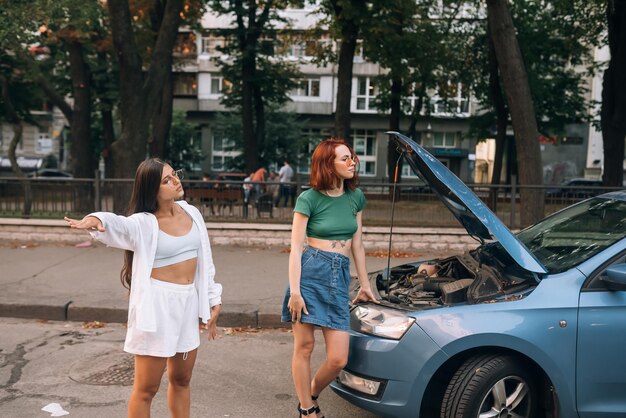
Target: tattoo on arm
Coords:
[[334, 244]]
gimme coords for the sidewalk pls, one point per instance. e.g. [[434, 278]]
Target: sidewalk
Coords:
[[62, 282]]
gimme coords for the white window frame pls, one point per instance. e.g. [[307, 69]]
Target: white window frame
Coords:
[[210, 43], [221, 82], [460, 104], [448, 139], [360, 138], [366, 95], [224, 156], [305, 87]]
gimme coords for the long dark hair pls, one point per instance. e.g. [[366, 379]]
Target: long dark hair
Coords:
[[143, 199]]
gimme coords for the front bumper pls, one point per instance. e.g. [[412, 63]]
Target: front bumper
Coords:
[[402, 368]]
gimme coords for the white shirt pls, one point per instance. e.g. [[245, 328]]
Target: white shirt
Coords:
[[139, 233], [285, 173]]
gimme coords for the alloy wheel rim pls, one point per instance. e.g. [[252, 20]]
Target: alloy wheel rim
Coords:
[[507, 398]]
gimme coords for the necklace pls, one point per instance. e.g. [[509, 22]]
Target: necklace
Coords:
[[333, 195]]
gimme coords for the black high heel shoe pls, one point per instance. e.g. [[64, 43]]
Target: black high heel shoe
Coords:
[[318, 407], [304, 412]]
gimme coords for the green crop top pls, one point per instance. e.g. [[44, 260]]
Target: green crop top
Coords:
[[332, 218]]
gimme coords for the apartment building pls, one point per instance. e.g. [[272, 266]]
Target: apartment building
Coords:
[[199, 86]]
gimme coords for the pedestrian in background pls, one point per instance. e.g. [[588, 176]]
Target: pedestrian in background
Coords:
[[285, 175], [328, 216], [258, 178], [169, 270]]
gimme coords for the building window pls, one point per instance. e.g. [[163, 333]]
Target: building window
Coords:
[[444, 139], [185, 84], [219, 85], [365, 149], [315, 136], [366, 93], [308, 87], [222, 152], [185, 45], [451, 99], [407, 172], [211, 44]]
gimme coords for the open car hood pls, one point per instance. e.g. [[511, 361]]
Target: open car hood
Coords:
[[472, 213]]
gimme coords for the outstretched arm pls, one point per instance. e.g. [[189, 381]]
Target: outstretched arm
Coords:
[[90, 223], [111, 229]]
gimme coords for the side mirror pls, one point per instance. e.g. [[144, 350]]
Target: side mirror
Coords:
[[615, 278]]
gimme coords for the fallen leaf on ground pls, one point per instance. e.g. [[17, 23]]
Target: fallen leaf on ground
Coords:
[[241, 330], [94, 324], [394, 254]]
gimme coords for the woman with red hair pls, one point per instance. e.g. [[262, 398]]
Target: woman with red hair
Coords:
[[328, 216]]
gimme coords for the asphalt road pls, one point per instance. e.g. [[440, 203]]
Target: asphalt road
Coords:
[[242, 374]]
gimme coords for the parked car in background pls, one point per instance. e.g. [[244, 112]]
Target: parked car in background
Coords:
[[50, 173], [525, 325], [579, 188]]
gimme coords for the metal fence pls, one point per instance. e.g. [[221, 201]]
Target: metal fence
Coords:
[[227, 201]]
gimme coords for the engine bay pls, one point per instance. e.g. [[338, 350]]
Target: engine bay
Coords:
[[478, 276]]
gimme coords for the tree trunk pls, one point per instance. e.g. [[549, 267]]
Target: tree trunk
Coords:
[[349, 37], [517, 90], [259, 111], [613, 112], [82, 149], [139, 93], [108, 134], [394, 125], [162, 120], [16, 122], [502, 120], [251, 148]]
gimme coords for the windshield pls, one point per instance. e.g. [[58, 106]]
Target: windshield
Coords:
[[575, 234]]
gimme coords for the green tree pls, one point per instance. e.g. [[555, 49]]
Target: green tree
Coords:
[[420, 52], [284, 138], [520, 103], [345, 19], [184, 149], [144, 68], [556, 38], [258, 81]]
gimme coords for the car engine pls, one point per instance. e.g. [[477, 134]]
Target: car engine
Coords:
[[473, 277]]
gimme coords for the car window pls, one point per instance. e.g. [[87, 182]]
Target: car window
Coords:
[[575, 234], [595, 283]]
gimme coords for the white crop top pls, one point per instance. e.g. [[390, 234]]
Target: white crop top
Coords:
[[171, 250]]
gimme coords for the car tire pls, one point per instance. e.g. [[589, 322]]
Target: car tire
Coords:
[[490, 386]]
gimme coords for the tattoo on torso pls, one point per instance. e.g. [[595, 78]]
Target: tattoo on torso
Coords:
[[334, 244]]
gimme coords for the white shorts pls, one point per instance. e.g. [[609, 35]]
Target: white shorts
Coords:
[[177, 321]]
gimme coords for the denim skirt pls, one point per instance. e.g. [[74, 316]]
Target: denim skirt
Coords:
[[324, 285]]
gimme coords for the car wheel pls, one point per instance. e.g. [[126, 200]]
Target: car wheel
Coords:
[[490, 386]]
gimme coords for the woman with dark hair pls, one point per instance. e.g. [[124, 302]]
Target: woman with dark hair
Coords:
[[328, 216], [169, 269]]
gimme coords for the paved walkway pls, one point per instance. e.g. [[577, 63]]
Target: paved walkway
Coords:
[[61, 282]]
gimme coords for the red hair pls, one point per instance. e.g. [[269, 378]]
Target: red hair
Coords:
[[323, 174]]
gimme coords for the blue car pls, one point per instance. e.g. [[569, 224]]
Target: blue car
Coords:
[[526, 325]]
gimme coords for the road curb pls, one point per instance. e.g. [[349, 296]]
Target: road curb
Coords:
[[232, 315]]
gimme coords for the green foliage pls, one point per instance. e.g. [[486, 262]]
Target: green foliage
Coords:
[[259, 44], [184, 149], [284, 137], [556, 38]]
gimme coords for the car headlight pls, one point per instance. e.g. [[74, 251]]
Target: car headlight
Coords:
[[379, 321]]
